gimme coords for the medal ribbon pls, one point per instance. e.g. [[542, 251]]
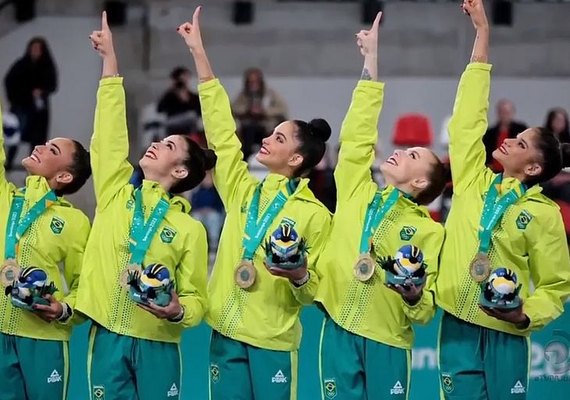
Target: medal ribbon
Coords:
[[255, 230], [16, 228], [494, 209], [141, 234], [375, 213]]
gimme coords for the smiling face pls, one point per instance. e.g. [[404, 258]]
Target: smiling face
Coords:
[[165, 159], [278, 151], [51, 160], [409, 167], [519, 156]]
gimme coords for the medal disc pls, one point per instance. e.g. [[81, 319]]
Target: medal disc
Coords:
[[480, 268], [9, 272], [245, 274], [364, 268]]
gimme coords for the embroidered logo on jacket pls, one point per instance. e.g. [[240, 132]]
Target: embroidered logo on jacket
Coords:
[[407, 232], [56, 225], [523, 219], [167, 235], [214, 373], [99, 392], [330, 388]]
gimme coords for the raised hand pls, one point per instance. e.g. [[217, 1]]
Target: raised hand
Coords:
[[367, 41], [102, 40], [190, 31], [476, 10]]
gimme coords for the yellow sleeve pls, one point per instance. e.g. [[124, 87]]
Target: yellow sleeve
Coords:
[[549, 263], [320, 226], [191, 278], [358, 137], [73, 263], [468, 125], [4, 186], [430, 243], [110, 142], [230, 172]]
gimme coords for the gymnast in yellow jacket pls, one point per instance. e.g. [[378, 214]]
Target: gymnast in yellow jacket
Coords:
[[367, 333], [254, 308]]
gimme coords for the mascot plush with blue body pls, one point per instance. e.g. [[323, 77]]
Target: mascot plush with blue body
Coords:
[[30, 288], [284, 249], [406, 268], [501, 290], [152, 284]]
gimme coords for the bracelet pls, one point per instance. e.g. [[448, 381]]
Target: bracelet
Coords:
[[303, 280], [180, 315], [66, 312]]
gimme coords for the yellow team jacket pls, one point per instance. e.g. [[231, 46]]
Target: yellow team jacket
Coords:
[[371, 309], [267, 314], [529, 239], [54, 243], [179, 243]]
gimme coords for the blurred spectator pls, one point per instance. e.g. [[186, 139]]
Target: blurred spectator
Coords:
[[258, 110], [29, 83], [557, 122], [180, 104], [208, 208], [11, 127], [558, 188], [506, 127]]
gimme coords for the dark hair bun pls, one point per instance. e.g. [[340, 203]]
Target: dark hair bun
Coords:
[[210, 159], [565, 150], [446, 172], [320, 129]]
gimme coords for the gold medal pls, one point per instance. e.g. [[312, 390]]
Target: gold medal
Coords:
[[245, 274], [129, 272], [9, 272], [364, 268], [480, 268]]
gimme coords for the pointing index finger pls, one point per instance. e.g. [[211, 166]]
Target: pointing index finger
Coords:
[[104, 24]]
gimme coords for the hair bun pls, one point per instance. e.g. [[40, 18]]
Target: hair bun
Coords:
[[210, 159], [320, 129]]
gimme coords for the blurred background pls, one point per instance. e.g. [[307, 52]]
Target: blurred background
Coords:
[[289, 59]]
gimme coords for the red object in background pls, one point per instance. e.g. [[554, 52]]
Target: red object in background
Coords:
[[413, 130], [565, 211]]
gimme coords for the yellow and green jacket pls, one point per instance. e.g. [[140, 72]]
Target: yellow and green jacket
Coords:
[[54, 243], [370, 309], [179, 243], [530, 238], [267, 314]]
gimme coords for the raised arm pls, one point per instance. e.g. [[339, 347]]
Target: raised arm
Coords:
[[230, 172], [110, 141], [468, 123], [359, 132], [4, 187]]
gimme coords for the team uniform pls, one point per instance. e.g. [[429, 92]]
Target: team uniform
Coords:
[[482, 357], [256, 331], [367, 334], [34, 362], [132, 353]]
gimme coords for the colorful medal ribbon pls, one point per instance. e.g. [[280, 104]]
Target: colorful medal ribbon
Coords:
[[255, 230], [141, 234], [16, 228]]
